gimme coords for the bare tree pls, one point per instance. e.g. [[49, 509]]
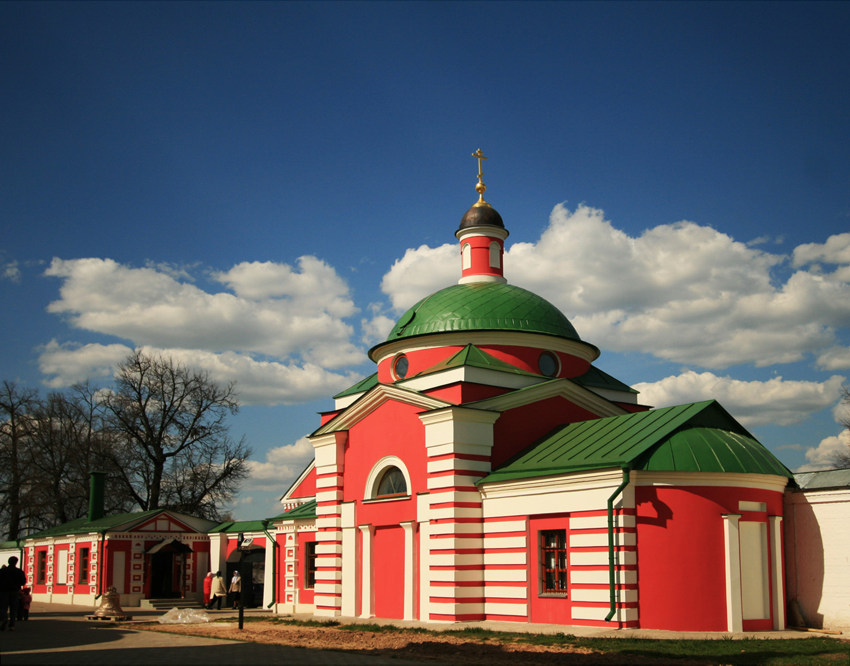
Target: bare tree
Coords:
[[16, 405], [67, 442], [171, 440]]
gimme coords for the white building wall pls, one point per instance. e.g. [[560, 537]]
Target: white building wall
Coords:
[[817, 552]]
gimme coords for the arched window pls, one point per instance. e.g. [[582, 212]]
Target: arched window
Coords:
[[495, 255], [392, 483], [466, 256], [388, 479]]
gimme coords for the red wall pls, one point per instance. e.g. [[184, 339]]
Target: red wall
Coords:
[[388, 572], [518, 428], [681, 553], [305, 594], [307, 488]]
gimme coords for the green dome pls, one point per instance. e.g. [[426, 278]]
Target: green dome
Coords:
[[483, 306]]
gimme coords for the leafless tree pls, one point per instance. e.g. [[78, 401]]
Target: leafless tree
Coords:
[[16, 405], [171, 442]]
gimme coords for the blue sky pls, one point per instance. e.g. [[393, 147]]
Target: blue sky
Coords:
[[261, 189]]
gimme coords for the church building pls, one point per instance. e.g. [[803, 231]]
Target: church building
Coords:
[[488, 470]]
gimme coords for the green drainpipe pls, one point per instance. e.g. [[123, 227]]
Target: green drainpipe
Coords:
[[101, 567], [612, 574], [274, 544]]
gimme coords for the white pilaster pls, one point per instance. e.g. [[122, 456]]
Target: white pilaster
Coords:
[[731, 539], [778, 572], [367, 593]]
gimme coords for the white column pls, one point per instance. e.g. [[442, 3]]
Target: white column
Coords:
[[731, 540], [367, 593], [409, 569], [778, 572], [424, 560], [349, 560]]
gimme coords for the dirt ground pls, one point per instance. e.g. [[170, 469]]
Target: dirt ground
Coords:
[[433, 647]]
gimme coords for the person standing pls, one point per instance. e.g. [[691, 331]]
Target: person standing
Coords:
[[217, 591], [208, 588], [12, 580], [236, 588], [24, 603]]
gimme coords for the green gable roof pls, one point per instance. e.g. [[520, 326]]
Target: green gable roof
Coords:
[[483, 306], [599, 379], [84, 526], [306, 510], [695, 437], [230, 527], [472, 356], [360, 387]]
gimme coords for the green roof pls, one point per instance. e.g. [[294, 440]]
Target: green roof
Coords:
[[483, 306], [472, 356], [697, 437], [230, 527], [599, 379], [360, 387], [306, 510], [84, 526]]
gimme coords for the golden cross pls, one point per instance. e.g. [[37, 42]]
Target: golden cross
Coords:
[[480, 156]]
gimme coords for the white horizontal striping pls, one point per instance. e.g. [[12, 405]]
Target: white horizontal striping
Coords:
[[436, 466], [506, 592], [326, 548], [326, 600], [455, 512], [332, 481], [504, 558], [456, 592], [600, 557], [329, 495], [453, 559], [450, 575], [329, 535], [602, 594], [327, 588], [450, 543], [599, 613], [496, 608], [451, 481], [505, 575], [455, 528], [505, 542], [601, 539], [600, 522], [579, 576], [505, 526], [440, 496]]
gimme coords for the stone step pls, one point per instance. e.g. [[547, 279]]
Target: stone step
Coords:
[[168, 604]]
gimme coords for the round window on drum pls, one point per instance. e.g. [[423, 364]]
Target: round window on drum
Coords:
[[548, 364], [401, 366]]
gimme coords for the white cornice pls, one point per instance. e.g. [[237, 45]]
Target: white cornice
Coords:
[[582, 350], [728, 479], [470, 375], [563, 388], [373, 399], [572, 482]]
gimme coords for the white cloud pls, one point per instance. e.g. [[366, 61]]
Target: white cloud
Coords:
[[753, 403], [823, 455], [294, 316], [281, 467], [836, 250], [834, 358], [69, 363], [683, 292], [11, 271]]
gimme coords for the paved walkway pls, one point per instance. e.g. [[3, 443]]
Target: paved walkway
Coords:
[[60, 634]]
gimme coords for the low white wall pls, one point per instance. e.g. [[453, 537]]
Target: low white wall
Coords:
[[817, 551]]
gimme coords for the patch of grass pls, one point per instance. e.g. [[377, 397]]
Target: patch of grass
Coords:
[[302, 623]]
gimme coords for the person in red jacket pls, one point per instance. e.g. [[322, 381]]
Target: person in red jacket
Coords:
[[207, 588]]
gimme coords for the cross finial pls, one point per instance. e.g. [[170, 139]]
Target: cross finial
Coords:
[[480, 187]]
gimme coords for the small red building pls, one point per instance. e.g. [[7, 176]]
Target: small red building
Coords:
[[158, 554], [489, 470]]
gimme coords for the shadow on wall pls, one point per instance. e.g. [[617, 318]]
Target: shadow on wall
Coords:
[[804, 561]]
